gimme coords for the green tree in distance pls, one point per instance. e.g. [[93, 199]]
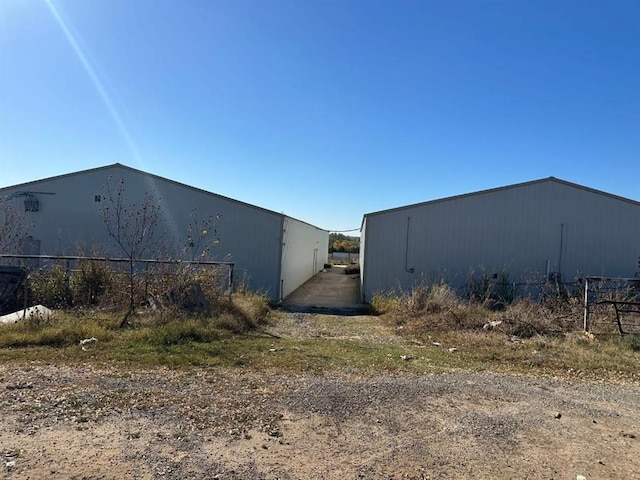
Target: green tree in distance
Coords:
[[339, 242]]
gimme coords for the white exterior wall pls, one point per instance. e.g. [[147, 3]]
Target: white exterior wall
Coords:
[[526, 230], [69, 221], [363, 259], [305, 250]]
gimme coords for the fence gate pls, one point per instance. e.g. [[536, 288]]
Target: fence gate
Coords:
[[612, 305]]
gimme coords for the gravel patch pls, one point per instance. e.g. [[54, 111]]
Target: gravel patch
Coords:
[[116, 421]]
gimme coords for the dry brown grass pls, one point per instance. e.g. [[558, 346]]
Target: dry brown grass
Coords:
[[438, 308]]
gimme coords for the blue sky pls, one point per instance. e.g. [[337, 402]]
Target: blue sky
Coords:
[[324, 110]]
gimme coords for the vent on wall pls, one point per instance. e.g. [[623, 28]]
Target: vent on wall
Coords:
[[31, 203]]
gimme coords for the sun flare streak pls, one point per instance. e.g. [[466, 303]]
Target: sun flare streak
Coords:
[[94, 78]]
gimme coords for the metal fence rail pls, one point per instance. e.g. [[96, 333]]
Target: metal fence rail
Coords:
[[150, 277], [612, 305]]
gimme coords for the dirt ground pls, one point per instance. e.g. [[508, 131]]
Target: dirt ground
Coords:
[[108, 422]]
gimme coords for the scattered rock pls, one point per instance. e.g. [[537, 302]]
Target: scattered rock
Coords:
[[20, 386], [453, 349], [558, 415]]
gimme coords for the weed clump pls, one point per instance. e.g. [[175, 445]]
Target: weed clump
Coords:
[[438, 307]]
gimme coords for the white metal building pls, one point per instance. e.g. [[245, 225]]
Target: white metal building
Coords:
[[524, 232], [272, 252]]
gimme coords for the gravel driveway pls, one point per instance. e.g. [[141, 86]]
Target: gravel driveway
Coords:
[[89, 422]]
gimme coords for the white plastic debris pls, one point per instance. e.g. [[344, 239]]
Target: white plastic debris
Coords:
[[87, 340], [36, 311]]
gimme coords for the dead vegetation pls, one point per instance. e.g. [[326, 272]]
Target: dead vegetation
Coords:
[[439, 308]]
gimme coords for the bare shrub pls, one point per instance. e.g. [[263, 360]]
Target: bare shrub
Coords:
[[430, 308], [50, 288], [494, 291], [253, 306], [526, 318], [90, 282], [430, 299], [385, 302], [440, 308]]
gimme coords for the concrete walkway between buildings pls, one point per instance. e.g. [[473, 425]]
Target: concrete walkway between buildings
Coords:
[[331, 292]]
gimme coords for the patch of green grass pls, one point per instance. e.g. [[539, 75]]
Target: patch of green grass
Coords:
[[334, 355], [571, 354], [320, 344], [630, 342], [151, 338], [59, 331], [176, 332]]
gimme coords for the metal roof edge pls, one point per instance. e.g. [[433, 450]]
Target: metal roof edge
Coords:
[[157, 177], [306, 223], [197, 189], [503, 188], [56, 177]]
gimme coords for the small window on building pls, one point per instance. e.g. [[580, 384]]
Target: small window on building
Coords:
[[97, 198]]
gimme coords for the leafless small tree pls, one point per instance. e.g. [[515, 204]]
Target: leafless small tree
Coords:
[[133, 227], [202, 235]]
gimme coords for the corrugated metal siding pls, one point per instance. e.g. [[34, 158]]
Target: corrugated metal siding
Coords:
[[305, 251], [519, 230], [69, 222]]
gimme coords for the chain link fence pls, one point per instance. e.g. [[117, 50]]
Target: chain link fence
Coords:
[[74, 281]]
